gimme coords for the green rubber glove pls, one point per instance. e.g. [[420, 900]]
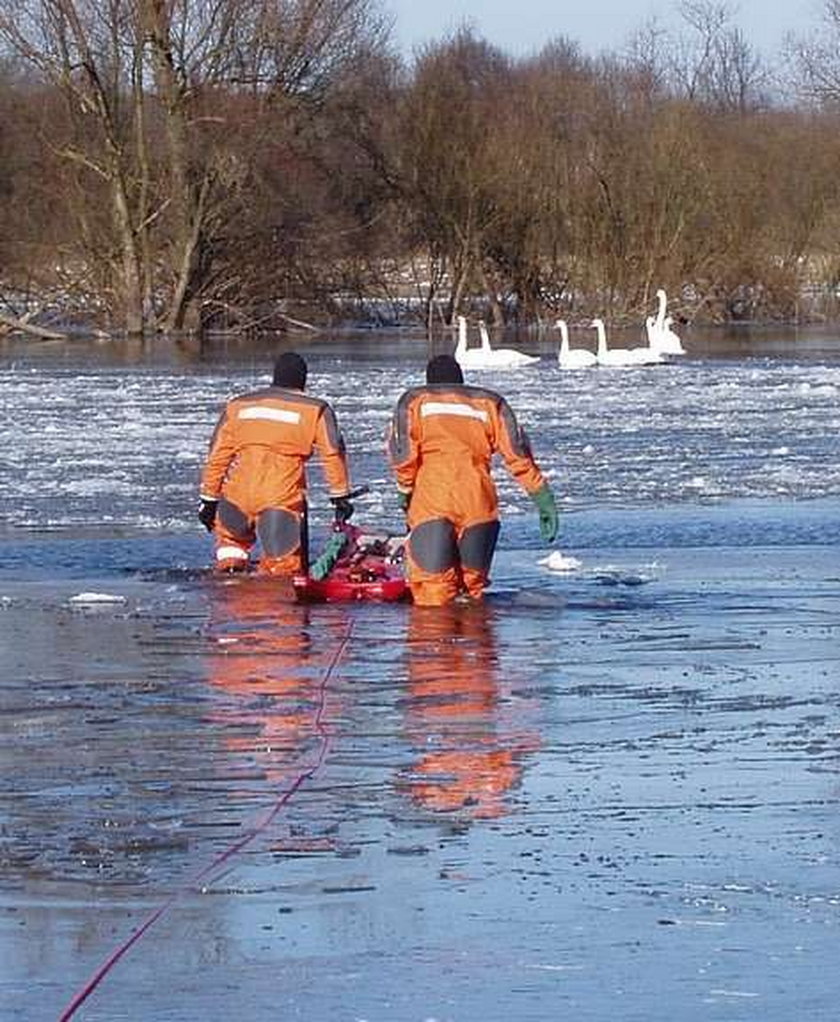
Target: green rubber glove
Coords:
[[549, 519], [403, 499]]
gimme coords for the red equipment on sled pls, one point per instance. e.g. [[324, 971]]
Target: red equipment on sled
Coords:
[[355, 565]]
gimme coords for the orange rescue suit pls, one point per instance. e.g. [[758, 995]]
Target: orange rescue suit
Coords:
[[441, 443], [256, 469]]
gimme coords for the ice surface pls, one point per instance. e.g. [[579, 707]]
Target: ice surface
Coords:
[[559, 562], [96, 598], [124, 445]]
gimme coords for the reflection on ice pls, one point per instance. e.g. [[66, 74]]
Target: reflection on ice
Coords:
[[467, 732]]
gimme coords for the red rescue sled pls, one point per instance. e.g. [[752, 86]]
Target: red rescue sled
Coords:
[[355, 566]]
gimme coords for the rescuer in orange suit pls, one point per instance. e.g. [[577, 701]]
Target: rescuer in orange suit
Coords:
[[441, 442], [253, 486]]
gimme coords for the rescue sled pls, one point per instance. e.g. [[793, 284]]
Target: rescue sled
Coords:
[[355, 565]]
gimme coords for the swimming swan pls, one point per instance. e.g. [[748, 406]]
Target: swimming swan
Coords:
[[668, 341], [502, 358], [621, 356], [661, 337], [572, 358], [469, 358], [486, 357]]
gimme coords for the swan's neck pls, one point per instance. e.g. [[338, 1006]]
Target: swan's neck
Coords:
[[652, 335], [485, 338], [564, 338], [602, 337], [461, 346], [660, 314]]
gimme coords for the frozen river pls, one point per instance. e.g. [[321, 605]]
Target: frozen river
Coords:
[[612, 793], [113, 439]]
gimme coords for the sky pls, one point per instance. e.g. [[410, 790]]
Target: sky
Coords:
[[521, 27]]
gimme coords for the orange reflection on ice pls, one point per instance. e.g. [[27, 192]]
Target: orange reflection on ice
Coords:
[[265, 664], [469, 753]]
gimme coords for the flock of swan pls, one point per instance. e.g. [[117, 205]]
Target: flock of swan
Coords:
[[662, 342]]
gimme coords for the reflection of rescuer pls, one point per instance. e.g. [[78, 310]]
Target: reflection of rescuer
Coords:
[[442, 439], [261, 660], [253, 486], [468, 757]]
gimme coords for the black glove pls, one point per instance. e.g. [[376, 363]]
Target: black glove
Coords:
[[207, 513], [343, 509]]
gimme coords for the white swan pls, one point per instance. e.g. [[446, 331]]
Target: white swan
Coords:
[[660, 335], [572, 358], [649, 354], [621, 356], [502, 357], [486, 357], [668, 341], [469, 358], [662, 300]]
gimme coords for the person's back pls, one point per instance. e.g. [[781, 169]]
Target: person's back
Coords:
[[442, 440], [254, 481], [261, 446]]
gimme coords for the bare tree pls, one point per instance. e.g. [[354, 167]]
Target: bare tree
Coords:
[[167, 103], [712, 63], [449, 120], [816, 58]]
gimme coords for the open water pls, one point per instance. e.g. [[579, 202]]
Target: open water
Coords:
[[611, 793]]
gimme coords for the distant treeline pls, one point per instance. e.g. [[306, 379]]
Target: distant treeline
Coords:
[[250, 164]]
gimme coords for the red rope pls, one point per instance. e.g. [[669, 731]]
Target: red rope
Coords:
[[103, 970]]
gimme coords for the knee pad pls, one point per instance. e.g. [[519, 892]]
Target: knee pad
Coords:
[[235, 522], [477, 545], [280, 532], [433, 546]]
